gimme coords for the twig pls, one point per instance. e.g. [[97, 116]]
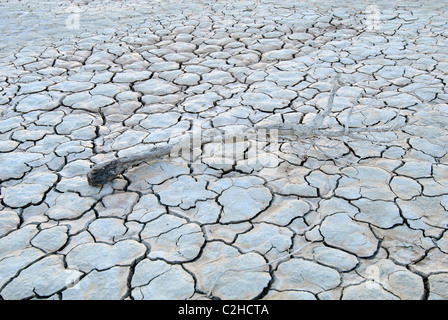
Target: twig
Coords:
[[319, 119], [347, 120]]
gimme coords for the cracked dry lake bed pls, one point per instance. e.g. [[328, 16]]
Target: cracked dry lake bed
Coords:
[[361, 214]]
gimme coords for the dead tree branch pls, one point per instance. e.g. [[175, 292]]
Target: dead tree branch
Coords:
[[292, 132]]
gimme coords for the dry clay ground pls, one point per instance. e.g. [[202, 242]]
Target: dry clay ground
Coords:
[[343, 216]]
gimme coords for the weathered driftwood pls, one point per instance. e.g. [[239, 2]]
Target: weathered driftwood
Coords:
[[287, 132], [107, 171]]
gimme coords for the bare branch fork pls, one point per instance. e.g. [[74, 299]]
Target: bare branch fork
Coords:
[[105, 172]]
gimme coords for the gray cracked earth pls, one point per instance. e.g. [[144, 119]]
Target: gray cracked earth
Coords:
[[84, 82]]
